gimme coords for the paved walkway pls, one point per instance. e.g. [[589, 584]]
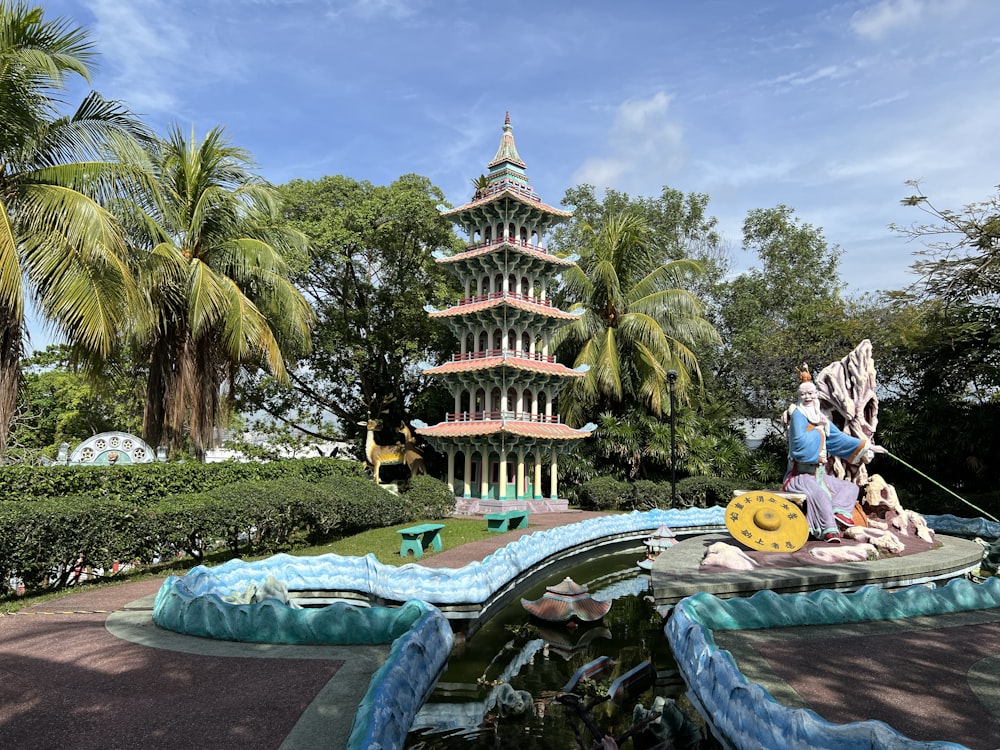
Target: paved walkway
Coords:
[[930, 678], [91, 672]]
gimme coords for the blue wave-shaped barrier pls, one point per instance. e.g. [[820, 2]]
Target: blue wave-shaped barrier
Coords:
[[964, 527], [400, 686], [744, 713], [474, 583], [195, 604]]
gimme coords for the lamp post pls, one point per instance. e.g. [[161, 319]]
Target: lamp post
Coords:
[[672, 380]]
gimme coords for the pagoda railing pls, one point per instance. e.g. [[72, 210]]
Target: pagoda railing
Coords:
[[496, 416], [514, 187], [488, 353], [504, 295], [514, 242]]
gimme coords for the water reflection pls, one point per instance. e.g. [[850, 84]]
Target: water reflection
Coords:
[[541, 658]]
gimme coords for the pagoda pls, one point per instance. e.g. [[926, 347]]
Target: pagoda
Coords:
[[504, 427]]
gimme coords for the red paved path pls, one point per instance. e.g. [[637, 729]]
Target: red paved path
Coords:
[[66, 682]]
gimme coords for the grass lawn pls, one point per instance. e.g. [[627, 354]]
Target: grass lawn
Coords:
[[384, 543]]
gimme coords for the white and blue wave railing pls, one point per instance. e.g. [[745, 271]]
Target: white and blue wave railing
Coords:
[[965, 527], [194, 604], [421, 637], [474, 583]]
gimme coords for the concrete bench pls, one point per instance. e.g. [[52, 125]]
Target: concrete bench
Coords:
[[507, 520], [418, 538]]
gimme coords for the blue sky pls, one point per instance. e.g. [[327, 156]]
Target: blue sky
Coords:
[[828, 107]]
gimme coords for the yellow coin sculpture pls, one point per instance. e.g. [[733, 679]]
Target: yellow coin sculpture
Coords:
[[768, 522]]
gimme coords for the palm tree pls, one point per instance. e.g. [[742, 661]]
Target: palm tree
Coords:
[[216, 279], [638, 323], [59, 246]]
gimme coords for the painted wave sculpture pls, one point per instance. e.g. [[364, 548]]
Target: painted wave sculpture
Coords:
[[745, 712], [964, 527], [218, 603], [474, 583]]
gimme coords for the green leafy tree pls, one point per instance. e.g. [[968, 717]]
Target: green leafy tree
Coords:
[[220, 303], [58, 404], [59, 245], [370, 275], [958, 288], [783, 312], [679, 224], [944, 411], [638, 322]]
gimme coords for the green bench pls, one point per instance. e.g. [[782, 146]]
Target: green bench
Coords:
[[509, 519], [418, 538]]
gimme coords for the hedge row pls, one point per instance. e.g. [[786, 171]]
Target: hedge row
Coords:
[[608, 493], [157, 480], [43, 542]]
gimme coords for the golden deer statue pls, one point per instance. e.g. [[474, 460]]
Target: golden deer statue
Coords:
[[377, 455], [411, 455]]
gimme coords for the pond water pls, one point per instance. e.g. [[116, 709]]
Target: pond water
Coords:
[[541, 658]]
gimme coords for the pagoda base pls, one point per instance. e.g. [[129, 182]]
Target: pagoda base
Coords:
[[474, 506]]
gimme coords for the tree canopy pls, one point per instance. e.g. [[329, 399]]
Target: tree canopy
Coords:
[[780, 313], [369, 276], [638, 323], [59, 244], [218, 300]]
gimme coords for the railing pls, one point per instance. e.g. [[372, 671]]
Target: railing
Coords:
[[507, 184], [511, 241], [496, 416], [487, 353], [502, 295]]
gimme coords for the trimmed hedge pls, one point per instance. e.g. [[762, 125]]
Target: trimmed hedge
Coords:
[[703, 492], [150, 482], [603, 493], [41, 541]]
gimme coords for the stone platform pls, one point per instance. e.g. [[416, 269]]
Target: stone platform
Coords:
[[676, 572]]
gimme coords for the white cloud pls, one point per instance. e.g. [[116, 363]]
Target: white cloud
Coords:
[[827, 72], [154, 53], [645, 146], [886, 16], [885, 101]]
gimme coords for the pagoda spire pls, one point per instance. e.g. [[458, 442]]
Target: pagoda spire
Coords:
[[507, 153]]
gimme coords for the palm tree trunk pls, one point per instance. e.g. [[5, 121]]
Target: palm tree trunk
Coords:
[[157, 386], [11, 350]]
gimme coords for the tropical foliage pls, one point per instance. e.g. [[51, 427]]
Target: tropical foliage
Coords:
[[60, 247], [783, 311], [214, 276], [638, 323]]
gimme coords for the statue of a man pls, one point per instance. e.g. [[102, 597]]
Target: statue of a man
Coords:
[[812, 439]]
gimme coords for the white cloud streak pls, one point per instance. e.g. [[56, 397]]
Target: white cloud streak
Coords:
[[645, 146]]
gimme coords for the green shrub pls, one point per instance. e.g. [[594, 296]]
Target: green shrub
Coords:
[[149, 483], [647, 495], [603, 493], [429, 497], [364, 505], [249, 516], [42, 540], [702, 492]]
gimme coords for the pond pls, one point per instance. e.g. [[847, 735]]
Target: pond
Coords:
[[541, 658]]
